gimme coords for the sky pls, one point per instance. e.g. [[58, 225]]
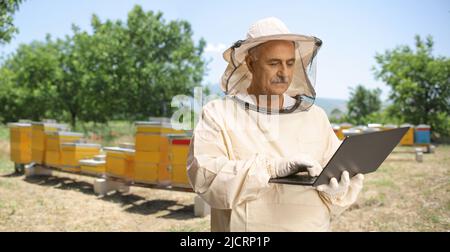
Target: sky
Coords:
[[352, 31]]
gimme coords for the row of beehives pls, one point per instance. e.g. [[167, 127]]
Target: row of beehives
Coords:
[[158, 155], [416, 135]]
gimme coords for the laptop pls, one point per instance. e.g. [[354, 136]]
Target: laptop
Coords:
[[362, 153]]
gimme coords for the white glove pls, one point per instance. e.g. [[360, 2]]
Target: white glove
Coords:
[[346, 191], [302, 162]]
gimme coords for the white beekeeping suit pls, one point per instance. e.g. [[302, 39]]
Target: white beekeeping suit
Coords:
[[237, 147]]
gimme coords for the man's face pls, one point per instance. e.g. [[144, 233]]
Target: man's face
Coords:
[[272, 67]]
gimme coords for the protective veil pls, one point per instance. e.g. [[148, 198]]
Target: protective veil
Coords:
[[237, 77], [233, 149]]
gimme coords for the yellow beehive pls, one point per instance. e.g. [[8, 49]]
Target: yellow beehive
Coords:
[[151, 167], [38, 142], [20, 142], [345, 126], [338, 131], [53, 142], [151, 142], [152, 151], [179, 149], [351, 132], [92, 166], [72, 153], [120, 162], [146, 172], [408, 138]]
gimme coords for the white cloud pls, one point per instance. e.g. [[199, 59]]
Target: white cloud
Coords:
[[215, 48]]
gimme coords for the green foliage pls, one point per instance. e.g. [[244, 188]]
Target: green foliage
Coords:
[[27, 82], [7, 28], [121, 71], [420, 85], [363, 105]]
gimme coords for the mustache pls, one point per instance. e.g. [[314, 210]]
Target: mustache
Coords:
[[280, 79]]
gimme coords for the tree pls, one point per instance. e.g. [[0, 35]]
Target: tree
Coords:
[[164, 59], [420, 84], [7, 28], [362, 103], [28, 82], [336, 115], [122, 70]]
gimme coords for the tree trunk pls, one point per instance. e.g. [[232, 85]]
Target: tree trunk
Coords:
[[73, 119]]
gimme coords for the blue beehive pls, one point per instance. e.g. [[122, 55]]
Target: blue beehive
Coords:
[[422, 134]]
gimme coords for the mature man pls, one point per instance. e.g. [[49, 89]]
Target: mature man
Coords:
[[267, 127]]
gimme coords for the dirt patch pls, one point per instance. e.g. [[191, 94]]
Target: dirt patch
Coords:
[[402, 196], [67, 203]]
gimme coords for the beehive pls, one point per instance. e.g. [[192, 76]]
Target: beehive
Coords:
[[53, 142], [152, 157], [375, 126], [120, 162], [38, 142], [422, 134], [338, 131], [370, 130], [72, 153], [93, 166], [179, 149], [351, 132], [345, 126], [151, 167], [408, 138], [20, 142]]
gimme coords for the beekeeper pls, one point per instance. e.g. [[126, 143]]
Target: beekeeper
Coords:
[[267, 127]]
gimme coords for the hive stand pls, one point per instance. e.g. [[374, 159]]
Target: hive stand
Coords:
[[37, 170], [419, 155], [103, 186]]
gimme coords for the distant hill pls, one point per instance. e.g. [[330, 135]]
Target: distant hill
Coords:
[[328, 104]]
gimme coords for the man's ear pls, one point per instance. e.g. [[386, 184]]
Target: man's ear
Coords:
[[249, 62]]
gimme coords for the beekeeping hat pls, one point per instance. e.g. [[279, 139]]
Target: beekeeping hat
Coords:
[[237, 77]]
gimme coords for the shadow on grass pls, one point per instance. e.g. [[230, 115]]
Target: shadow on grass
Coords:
[[176, 211], [12, 175], [62, 183], [133, 203]]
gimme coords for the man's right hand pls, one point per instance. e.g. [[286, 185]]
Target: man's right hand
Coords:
[[288, 166]]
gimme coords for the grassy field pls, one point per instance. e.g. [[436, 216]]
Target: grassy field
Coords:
[[402, 195]]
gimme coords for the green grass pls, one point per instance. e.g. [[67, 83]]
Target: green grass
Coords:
[[383, 182], [4, 132], [376, 201], [6, 166]]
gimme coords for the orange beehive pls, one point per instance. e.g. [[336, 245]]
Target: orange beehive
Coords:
[[408, 138]]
